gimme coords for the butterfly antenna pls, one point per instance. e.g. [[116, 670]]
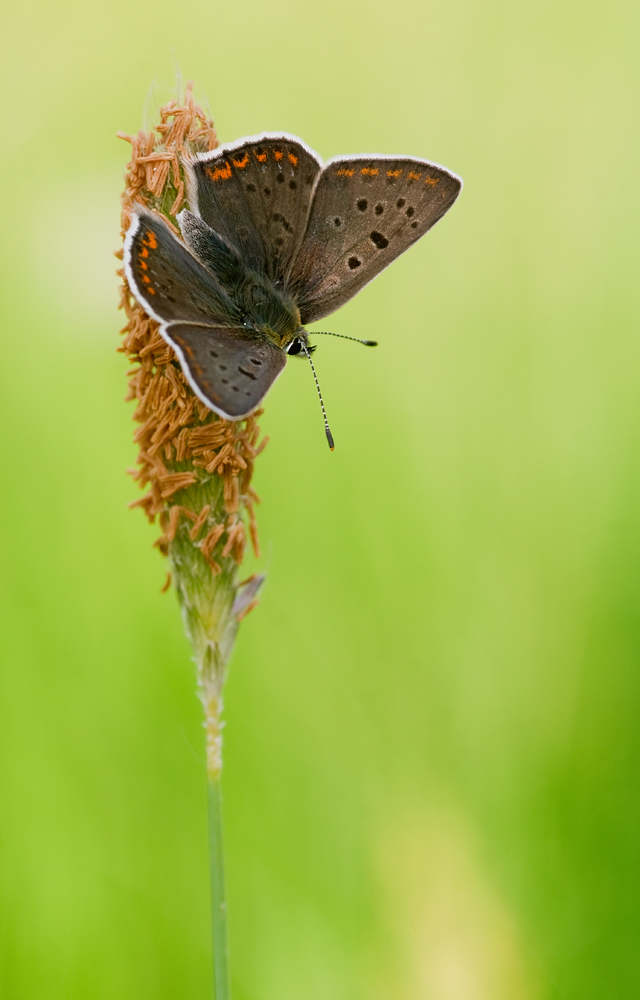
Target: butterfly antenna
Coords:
[[326, 333], [324, 412]]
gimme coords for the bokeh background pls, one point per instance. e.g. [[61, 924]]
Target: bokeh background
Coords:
[[433, 739]]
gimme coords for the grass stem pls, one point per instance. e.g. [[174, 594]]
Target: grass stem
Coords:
[[222, 987]]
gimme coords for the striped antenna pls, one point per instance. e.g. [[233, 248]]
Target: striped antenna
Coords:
[[325, 333], [324, 412]]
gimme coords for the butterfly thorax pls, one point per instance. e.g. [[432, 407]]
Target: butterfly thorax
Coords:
[[268, 310]]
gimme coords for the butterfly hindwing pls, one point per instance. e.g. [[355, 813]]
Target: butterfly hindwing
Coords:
[[256, 195], [229, 369], [168, 280], [366, 211]]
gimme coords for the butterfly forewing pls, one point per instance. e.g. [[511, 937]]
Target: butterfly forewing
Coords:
[[230, 370], [168, 280], [365, 213], [256, 194]]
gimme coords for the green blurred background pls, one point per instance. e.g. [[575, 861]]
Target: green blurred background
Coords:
[[433, 739]]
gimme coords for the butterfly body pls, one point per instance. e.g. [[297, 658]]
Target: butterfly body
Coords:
[[267, 309], [274, 239]]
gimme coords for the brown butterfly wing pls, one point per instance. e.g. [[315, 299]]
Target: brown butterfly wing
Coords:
[[366, 211], [230, 370], [256, 195], [168, 280]]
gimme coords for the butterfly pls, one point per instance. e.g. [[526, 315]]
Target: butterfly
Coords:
[[273, 239]]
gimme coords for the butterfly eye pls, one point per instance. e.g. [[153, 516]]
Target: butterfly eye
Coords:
[[297, 346]]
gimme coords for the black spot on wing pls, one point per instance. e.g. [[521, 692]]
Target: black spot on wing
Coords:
[[379, 240]]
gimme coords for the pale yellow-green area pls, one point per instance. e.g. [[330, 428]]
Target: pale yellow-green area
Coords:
[[450, 934], [452, 606]]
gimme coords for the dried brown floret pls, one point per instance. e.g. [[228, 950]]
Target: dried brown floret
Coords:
[[182, 443]]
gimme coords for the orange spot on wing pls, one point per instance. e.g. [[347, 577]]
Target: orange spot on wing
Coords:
[[343, 172], [393, 173], [241, 164], [414, 176], [222, 173], [261, 157], [431, 181], [146, 278], [143, 265], [278, 154], [144, 252], [369, 171], [151, 291], [292, 159]]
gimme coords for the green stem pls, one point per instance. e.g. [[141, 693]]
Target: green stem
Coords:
[[222, 988]]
